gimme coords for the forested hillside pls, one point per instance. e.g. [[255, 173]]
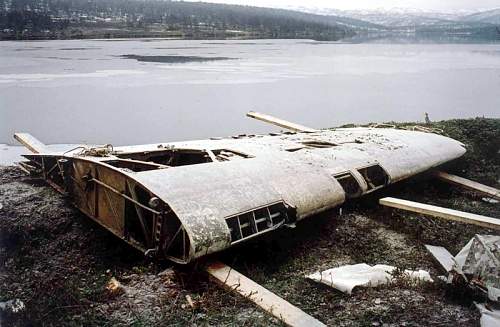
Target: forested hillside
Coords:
[[28, 19]]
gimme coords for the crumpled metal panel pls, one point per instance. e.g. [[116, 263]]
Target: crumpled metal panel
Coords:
[[481, 259]]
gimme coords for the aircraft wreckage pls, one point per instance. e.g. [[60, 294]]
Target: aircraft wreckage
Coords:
[[184, 200]]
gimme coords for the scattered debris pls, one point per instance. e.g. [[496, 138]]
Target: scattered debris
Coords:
[[478, 265], [346, 278], [479, 261], [91, 256], [39, 230]]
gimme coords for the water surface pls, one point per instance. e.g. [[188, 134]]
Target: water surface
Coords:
[[98, 91]]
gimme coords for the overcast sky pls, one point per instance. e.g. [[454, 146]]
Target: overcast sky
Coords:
[[439, 5]]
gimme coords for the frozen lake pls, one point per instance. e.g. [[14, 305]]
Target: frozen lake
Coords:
[[151, 90]]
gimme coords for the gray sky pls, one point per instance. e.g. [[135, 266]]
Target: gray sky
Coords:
[[438, 5]]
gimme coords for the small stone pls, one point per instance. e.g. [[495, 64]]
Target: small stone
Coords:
[[190, 301], [378, 301], [114, 287], [167, 273]]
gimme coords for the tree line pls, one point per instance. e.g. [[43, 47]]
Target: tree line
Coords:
[[41, 15]]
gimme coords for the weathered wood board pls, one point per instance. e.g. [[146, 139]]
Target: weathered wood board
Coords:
[[270, 302], [445, 213], [30, 142], [468, 184], [280, 122]]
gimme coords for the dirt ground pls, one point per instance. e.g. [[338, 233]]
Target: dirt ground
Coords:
[[58, 262]]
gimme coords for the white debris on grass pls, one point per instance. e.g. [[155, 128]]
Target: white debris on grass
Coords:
[[490, 200], [13, 306], [489, 317], [346, 278]]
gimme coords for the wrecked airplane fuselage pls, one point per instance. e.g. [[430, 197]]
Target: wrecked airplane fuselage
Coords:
[[185, 200]]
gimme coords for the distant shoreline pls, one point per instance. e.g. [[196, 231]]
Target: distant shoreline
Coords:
[[360, 37], [165, 36]]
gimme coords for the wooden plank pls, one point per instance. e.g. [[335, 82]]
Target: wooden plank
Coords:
[[30, 142], [445, 213], [270, 302], [280, 122], [442, 256], [468, 184]]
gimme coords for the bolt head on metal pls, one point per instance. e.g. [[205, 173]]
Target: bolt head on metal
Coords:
[[154, 202]]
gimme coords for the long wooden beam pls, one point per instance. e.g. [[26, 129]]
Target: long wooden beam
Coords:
[[280, 122], [445, 213], [30, 142], [270, 302], [468, 184]]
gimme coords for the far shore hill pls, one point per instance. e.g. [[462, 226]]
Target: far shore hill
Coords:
[[103, 19], [186, 20]]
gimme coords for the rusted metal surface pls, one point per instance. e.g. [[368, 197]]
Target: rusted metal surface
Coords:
[[184, 200]]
